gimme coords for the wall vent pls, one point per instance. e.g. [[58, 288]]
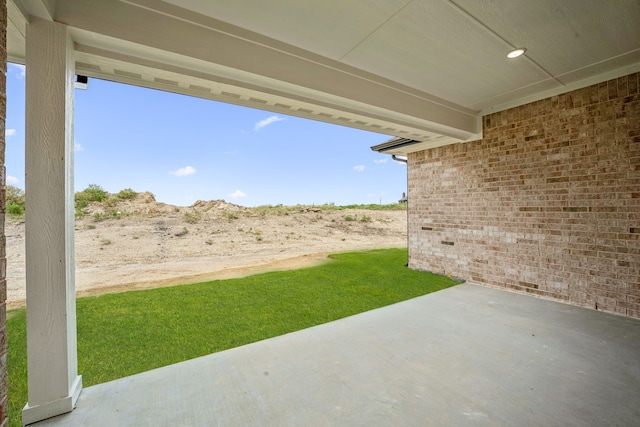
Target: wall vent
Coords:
[[128, 74], [87, 66], [229, 94], [200, 88], [165, 81]]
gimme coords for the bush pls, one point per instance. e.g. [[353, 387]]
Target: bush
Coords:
[[15, 210], [191, 218], [111, 201], [127, 194], [14, 196], [93, 193], [278, 210], [14, 201]]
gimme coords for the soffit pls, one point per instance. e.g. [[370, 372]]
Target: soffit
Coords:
[[421, 69], [455, 49]]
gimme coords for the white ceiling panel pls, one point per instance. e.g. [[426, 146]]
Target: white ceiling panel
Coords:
[[330, 28], [563, 35], [436, 48]]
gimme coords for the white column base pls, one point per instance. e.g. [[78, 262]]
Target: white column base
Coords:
[[34, 414]]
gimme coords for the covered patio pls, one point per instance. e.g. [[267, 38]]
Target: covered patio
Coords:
[[429, 72], [464, 356]]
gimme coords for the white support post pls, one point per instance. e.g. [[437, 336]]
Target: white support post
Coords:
[[54, 383]]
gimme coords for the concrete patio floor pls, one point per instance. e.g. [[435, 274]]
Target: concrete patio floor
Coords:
[[464, 356]]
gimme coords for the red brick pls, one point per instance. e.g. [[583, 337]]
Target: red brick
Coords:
[[544, 204]]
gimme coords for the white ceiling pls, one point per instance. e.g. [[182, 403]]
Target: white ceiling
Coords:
[[455, 49], [422, 69]]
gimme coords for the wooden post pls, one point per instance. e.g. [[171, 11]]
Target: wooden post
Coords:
[[54, 383], [3, 255]]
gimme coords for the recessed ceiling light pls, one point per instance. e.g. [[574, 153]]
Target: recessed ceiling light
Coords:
[[516, 53]]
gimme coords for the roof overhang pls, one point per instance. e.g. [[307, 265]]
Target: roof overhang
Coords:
[[422, 71], [270, 75]]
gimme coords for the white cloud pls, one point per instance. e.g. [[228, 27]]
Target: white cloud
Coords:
[[12, 179], [381, 161], [237, 194], [358, 168], [78, 147], [9, 132], [185, 171], [267, 122], [18, 69]]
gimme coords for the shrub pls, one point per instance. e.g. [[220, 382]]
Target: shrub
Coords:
[[99, 216], [14, 196], [14, 202], [127, 194], [93, 193], [111, 201], [191, 218], [278, 210], [15, 210]]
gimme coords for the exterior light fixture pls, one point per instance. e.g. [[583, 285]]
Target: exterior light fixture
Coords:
[[82, 82], [516, 53]]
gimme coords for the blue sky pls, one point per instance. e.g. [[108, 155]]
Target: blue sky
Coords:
[[184, 149]]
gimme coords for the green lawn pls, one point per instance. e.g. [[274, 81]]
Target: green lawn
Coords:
[[127, 333]]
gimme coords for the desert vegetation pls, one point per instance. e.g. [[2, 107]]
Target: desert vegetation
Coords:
[[127, 239], [106, 205], [14, 202]]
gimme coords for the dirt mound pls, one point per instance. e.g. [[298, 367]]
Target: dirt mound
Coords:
[[216, 205], [145, 204], [136, 243]]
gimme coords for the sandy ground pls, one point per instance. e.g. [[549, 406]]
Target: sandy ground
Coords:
[[143, 244]]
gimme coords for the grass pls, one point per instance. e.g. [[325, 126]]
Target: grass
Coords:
[[375, 207], [280, 210], [127, 333]]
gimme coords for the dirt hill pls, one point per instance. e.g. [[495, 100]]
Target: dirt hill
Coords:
[[139, 243]]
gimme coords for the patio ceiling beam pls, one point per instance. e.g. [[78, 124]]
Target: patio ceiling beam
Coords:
[[43, 9], [171, 35], [54, 383]]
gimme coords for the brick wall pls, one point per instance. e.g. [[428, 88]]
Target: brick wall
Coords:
[[3, 258], [547, 203]]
